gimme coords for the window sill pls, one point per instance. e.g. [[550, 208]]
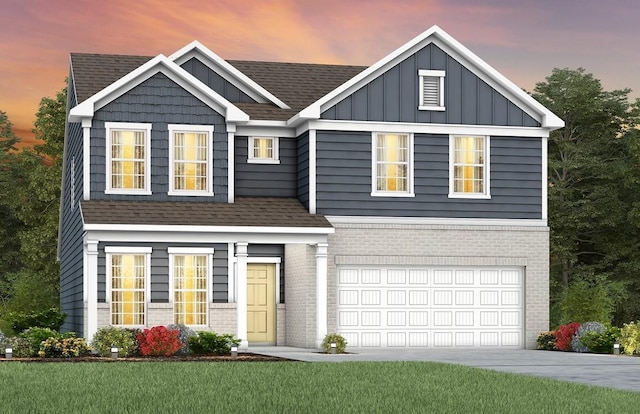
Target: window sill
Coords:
[[191, 193], [431, 108], [262, 161], [471, 196], [392, 194], [128, 192]]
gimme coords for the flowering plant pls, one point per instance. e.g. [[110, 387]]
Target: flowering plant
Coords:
[[63, 348], [159, 341], [564, 335]]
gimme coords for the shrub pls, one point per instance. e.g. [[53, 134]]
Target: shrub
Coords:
[[341, 343], [564, 334], [21, 347], [184, 332], [576, 341], [212, 343], [35, 336], [159, 341], [50, 318], [630, 338], [601, 343], [107, 336], [3, 340], [64, 348], [547, 341], [136, 345], [587, 301]]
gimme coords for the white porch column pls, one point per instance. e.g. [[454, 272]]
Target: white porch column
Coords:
[[91, 286], [321, 293], [241, 299]]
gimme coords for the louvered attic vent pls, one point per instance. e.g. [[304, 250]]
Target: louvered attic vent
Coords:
[[431, 90]]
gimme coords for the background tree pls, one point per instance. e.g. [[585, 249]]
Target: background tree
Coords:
[[590, 169]]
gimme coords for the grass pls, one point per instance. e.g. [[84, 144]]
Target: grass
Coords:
[[292, 387]]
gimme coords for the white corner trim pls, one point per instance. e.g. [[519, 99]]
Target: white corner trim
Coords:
[[86, 158], [312, 171], [545, 179], [226, 70], [231, 272], [429, 221], [231, 166]]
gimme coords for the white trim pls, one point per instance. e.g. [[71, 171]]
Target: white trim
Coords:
[[441, 129], [456, 50], [429, 221], [312, 171], [209, 229], [275, 151], [266, 129], [321, 292], [231, 273], [86, 159], [486, 185], [545, 179], [191, 250], [207, 129], [270, 260], [227, 71], [90, 284], [241, 260], [231, 166], [440, 74], [251, 259], [128, 126], [187, 251], [374, 169], [128, 249]]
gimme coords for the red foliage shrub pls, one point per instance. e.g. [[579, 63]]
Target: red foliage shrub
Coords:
[[564, 334], [159, 341]]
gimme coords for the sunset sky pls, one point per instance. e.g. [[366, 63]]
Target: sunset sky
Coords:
[[522, 39]]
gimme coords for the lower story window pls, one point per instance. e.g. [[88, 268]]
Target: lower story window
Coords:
[[190, 280], [128, 288]]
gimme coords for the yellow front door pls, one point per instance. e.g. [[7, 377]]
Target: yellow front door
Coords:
[[261, 303]]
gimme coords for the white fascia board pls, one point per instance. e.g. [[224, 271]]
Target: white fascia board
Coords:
[[436, 221], [416, 128], [227, 71], [266, 129], [159, 64], [451, 46], [209, 229], [123, 236]]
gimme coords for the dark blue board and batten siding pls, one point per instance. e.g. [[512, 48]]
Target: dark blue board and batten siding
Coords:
[[158, 101], [71, 256], [266, 180], [218, 290], [344, 179], [393, 96], [216, 82]]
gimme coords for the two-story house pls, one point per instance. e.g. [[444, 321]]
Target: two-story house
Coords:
[[400, 205]]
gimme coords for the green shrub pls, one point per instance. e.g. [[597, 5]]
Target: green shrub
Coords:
[[36, 336], [3, 340], [584, 301], [547, 341], [50, 318], [341, 343], [630, 338], [601, 342], [107, 336], [576, 340], [21, 347], [63, 348], [184, 332], [212, 343]]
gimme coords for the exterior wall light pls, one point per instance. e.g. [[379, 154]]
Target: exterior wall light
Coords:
[[114, 352], [616, 348], [334, 347], [8, 352], [234, 351]]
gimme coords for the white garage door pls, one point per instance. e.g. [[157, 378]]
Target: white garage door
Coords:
[[431, 306]]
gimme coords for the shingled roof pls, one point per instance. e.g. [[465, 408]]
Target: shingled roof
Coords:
[[296, 84], [245, 211]]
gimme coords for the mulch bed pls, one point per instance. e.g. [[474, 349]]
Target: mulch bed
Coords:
[[242, 357]]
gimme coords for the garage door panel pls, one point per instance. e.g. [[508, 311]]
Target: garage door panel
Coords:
[[430, 307]]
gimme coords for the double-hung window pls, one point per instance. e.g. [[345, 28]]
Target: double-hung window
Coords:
[[128, 148], [127, 276], [431, 90], [190, 275], [190, 159], [469, 166], [392, 165], [263, 150]]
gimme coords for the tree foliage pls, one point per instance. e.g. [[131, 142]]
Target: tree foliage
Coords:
[[591, 191]]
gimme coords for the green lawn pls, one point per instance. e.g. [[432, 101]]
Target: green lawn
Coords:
[[292, 387]]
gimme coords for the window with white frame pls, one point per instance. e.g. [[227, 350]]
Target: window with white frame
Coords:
[[127, 273], [469, 166], [263, 150], [190, 159], [431, 90], [392, 165], [128, 148], [190, 275]]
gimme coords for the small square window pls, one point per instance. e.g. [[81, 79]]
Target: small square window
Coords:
[[431, 90], [263, 150]]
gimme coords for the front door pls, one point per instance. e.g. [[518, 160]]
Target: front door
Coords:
[[261, 303]]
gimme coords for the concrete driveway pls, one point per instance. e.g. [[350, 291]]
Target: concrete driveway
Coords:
[[621, 372]]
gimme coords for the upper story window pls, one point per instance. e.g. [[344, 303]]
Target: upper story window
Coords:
[[392, 162], [128, 147], [469, 166], [263, 150], [431, 90], [190, 158]]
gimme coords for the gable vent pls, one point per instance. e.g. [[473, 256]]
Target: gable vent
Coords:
[[431, 91]]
